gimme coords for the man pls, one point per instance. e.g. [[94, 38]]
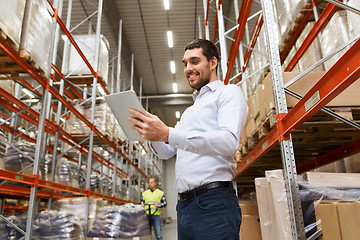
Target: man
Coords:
[[152, 200], [204, 140]]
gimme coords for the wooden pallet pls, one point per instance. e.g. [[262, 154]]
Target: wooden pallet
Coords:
[[97, 140]]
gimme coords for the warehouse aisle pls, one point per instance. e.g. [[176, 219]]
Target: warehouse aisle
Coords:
[[169, 231]]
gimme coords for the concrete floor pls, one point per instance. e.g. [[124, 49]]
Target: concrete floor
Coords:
[[169, 231]]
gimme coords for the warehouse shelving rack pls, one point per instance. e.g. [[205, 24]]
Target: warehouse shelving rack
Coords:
[[58, 87], [344, 72]]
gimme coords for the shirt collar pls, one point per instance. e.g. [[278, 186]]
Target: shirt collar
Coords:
[[210, 86]]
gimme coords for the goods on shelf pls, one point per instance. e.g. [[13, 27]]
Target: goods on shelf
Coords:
[[36, 37], [102, 121], [120, 222], [46, 170], [76, 66], [2, 150], [8, 86], [51, 224], [313, 53], [257, 62], [7, 232], [11, 12], [76, 206], [16, 161], [317, 196], [250, 226], [286, 13], [337, 26], [353, 19], [67, 173]]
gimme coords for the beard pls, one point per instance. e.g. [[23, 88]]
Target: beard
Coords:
[[204, 78]]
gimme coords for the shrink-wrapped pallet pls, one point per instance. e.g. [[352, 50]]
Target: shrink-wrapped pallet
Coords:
[[338, 27], [8, 86], [312, 54], [2, 150], [353, 18], [120, 222], [67, 173], [11, 12], [76, 126], [286, 11], [288, 59], [36, 37], [9, 233], [76, 65], [19, 160], [51, 224], [76, 206]]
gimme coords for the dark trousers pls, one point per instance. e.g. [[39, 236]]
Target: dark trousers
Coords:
[[214, 215]]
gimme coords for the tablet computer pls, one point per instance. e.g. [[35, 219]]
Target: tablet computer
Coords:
[[120, 103]]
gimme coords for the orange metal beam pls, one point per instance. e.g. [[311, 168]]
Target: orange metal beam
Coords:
[[243, 15]]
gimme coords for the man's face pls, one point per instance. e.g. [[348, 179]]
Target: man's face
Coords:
[[197, 68], [152, 184]]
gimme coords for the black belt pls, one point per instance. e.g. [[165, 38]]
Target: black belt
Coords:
[[203, 189]]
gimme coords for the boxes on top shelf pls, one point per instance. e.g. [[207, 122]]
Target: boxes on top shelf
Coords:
[[337, 26], [11, 12], [75, 65], [8, 86], [37, 37]]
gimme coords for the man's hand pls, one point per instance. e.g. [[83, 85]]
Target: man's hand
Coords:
[[156, 205], [149, 126]]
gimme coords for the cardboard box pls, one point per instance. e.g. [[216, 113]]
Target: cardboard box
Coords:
[[264, 92], [250, 228], [333, 179], [330, 221], [349, 218]]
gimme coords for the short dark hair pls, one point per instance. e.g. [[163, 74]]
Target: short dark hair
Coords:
[[209, 48]]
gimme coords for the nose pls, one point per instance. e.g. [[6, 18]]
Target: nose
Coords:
[[188, 67]]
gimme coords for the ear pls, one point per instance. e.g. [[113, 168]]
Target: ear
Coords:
[[213, 63]]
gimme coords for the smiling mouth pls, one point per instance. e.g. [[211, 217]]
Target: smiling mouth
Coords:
[[192, 76]]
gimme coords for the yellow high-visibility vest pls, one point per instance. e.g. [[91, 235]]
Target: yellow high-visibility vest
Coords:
[[150, 198]]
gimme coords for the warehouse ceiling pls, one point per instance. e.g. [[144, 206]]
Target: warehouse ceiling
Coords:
[[144, 34]]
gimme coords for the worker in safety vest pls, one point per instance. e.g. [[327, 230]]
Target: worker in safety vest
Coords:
[[152, 200]]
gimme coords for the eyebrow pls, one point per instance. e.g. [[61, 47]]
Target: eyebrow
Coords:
[[192, 58]]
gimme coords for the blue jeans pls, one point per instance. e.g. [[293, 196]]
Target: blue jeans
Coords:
[[214, 215], [155, 221]]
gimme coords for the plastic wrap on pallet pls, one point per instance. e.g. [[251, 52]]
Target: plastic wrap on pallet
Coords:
[[39, 35], [12, 12], [67, 173], [120, 222], [313, 53], [8, 86], [51, 224], [312, 194], [338, 27], [102, 118], [287, 11], [75, 125], [2, 150], [16, 161], [9, 233], [353, 19], [288, 59], [76, 206], [77, 66]]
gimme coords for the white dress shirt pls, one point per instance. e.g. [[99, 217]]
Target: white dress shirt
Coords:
[[206, 137]]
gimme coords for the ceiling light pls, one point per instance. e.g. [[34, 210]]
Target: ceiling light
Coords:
[[166, 4], [29, 93], [177, 114], [172, 67], [170, 39], [175, 89]]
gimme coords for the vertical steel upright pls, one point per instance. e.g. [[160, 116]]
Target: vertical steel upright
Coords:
[[93, 101], [222, 40], [40, 139], [287, 151]]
